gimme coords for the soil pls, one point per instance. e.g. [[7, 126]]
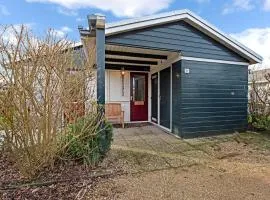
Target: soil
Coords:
[[63, 181], [146, 163], [225, 167]]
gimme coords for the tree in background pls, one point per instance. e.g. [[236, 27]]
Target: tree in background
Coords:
[[259, 100]]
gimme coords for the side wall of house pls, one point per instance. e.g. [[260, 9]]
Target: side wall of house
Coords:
[[213, 98]]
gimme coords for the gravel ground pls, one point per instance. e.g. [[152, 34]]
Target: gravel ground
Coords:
[[195, 182], [162, 167], [146, 163]]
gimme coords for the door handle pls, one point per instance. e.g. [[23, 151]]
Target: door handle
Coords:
[[131, 98]]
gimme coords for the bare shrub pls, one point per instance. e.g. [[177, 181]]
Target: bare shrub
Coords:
[[259, 100], [44, 91]]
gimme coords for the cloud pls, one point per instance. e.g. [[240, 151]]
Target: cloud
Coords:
[[257, 39], [3, 10], [67, 12], [238, 5], [120, 8], [245, 5], [10, 32], [266, 5], [63, 31]]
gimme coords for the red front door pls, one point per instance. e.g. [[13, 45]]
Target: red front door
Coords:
[[139, 96]]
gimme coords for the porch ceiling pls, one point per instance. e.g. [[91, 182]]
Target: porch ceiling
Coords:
[[117, 57]]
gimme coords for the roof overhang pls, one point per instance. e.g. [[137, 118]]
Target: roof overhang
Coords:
[[192, 19]]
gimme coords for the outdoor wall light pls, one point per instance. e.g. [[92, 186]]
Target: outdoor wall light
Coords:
[[122, 71], [123, 80]]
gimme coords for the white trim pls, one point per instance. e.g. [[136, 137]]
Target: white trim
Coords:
[[165, 130], [115, 70], [154, 119], [117, 101], [149, 97], [213, 61], [171, 100], [127, 64], [224, 38], [158, 99], [145, 18], [189, 17], [136, 122], [166, 64], [168, 129], [162, 127], [111, 29]]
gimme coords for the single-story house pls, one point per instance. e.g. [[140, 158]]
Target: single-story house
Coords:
[[174, 70]]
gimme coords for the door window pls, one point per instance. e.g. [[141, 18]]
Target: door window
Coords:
[[139, 89]]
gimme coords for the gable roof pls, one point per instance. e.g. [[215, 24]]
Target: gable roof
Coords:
[[192, 19]]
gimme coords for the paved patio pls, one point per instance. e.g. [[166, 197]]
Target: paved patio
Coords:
[[154, 149], [150, 148], [148, 138]]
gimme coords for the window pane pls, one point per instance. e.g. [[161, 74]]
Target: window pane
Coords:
[[139, 87]]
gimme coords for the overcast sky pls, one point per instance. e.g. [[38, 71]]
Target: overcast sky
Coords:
[[246, 20]]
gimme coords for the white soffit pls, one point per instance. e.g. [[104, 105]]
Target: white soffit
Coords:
[[189, 17]]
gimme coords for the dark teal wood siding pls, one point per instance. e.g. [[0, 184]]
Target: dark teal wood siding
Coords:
[[177, 36], [165, 97], [176, 98], [211, 99]]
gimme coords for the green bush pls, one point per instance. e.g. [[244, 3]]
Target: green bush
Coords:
[[87, 140], [259, 122]]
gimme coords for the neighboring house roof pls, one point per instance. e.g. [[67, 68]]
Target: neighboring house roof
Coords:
[[258, 76], [189, 17]]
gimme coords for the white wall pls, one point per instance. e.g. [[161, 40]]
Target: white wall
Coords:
[[113, 90]]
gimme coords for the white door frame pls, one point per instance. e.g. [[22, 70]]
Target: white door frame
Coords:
[[157, 69]]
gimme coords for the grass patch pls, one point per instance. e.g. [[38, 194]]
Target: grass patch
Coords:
[[259, 140]]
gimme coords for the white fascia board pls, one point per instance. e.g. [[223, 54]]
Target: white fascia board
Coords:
[[146, 18], [189, 17], [148, 22], [222, 37], [214, 61]]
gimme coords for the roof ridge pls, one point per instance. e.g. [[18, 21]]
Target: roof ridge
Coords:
[[176, 15], [147, 18]]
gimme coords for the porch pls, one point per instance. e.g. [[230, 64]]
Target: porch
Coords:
[[133, 77]]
